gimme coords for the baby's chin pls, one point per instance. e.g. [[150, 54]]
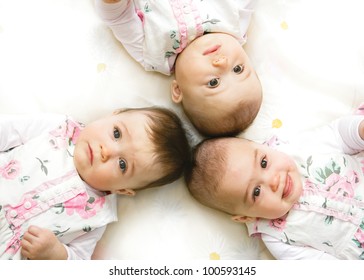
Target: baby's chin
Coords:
[[279, 215]]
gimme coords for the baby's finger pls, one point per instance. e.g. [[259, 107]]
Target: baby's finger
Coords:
[[27, 236], [34, 230], [26, 248], [26, 253], [25, 244]]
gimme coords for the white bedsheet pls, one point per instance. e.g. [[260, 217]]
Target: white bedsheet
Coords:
[[57, 56]]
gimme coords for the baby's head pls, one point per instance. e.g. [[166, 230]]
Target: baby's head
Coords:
[[132, 149], [243, 178], [217, 86]]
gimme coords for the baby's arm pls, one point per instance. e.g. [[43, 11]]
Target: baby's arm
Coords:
[[18, 129], [127, 26], [83, 247], [283, 251], [350, 132], [41, 244], [361, 129]]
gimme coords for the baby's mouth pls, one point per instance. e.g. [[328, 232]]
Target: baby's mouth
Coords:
[[211, 49], [91, 154], [288, 187]]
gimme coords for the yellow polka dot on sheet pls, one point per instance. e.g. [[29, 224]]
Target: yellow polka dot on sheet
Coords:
[[214, 256], [101, 67], [284, 25], [276, 123]]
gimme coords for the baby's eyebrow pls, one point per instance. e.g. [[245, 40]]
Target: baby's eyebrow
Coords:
[[125, 128], [245, 196], [255, 164], [255, 155], [132, 168], [126, 136]]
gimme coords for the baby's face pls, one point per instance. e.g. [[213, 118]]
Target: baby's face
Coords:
[[116, 153], [259, 181], [213, 73]]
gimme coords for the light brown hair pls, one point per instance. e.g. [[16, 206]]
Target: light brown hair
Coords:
[[171, 146], [205, 171], [230, 123]]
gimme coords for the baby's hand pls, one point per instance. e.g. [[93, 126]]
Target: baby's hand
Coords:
[[41, 244], [361, 130]]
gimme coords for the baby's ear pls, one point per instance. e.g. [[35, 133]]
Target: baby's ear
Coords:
[[176, 92], [242, 219], [128, 192]]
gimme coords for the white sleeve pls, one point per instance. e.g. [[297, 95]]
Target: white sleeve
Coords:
[[18, 129], [348, 133], [283, 251], [126, 25], [246, 9], [82, 247]]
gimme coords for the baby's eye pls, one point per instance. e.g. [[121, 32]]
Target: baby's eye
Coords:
[[117, 133], [256, 192], [122, 165], [264, 163], [238, 68], [213, 83]]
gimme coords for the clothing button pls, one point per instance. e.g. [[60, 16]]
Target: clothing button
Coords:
[[27, 204], [13, 213]]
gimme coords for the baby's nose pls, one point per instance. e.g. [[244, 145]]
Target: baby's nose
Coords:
[[273, 182], [220, 61], [105, 153]]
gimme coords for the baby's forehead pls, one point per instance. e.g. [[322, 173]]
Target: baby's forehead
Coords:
[[151, 163], [236, 143], [239, 153], [133, 112]]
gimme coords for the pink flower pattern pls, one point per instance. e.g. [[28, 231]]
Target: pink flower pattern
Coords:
[[359, 235], [140, 14], [11, 170], [309, 184], [274, 142], [65, 134], [334, 180], [83, 205], [341, 185], [278, 224]]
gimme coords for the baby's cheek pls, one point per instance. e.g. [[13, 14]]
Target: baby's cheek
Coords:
[[291, 165]]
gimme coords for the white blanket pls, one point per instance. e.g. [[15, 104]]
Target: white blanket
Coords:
[[57, 56]]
